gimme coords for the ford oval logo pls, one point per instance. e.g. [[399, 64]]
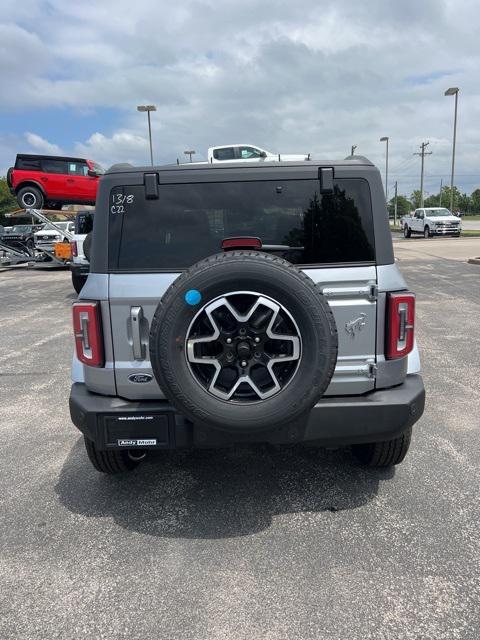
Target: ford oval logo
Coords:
[[140, 378]]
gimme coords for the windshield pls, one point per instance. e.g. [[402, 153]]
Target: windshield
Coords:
[[98, 168], [50, 227], [438, 213], [21, 228]]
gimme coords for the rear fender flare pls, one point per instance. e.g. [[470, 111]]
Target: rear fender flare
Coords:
[[30, 183]]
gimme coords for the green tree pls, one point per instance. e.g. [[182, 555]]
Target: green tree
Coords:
[[475, 201], [446, 197], [464, 203], [415, 199], [461, 201], [404, 206], [432, 201], [7, 202]]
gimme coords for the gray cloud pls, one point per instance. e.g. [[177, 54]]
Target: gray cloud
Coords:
[[303, 76]]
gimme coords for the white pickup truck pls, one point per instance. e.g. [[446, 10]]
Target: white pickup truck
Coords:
[[432, 221], [249, 153]]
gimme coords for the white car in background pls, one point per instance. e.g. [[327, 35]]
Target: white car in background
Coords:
[[249, 153], [49, 235]]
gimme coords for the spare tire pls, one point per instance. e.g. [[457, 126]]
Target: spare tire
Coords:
[[243, 342]]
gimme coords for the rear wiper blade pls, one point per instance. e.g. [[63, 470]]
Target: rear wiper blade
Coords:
[[280, 247]]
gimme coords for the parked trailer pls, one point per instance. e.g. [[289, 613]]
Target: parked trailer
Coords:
[[10, 255], [43, 257]]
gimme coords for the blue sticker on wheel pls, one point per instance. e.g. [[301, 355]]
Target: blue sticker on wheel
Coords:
[[193, 297]]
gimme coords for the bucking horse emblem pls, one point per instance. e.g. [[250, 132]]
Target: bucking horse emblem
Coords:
[[356, 325]]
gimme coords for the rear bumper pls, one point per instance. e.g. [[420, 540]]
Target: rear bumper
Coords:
[[113, 422]]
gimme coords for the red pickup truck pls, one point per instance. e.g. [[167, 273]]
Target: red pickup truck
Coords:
[[51, 181]]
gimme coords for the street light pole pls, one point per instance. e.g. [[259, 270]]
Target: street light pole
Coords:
[[395, 210], [148, 108], [386, 139], [150, 137], [453, 91], [354, 146]]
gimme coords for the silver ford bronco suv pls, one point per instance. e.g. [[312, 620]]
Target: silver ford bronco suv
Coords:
[[244, 303]]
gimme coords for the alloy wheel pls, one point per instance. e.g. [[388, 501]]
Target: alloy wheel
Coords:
[[243, 347]]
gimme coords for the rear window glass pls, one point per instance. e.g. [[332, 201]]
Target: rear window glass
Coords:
[[189, 221], [83, 223], [32, 164], [54, 166], [227, 153]]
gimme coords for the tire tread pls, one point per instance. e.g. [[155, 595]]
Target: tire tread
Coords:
[[109, 462], [384, 454]]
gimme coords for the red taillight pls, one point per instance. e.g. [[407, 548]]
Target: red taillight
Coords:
[[73, 244], [87, 328], [400, 318], [241, 243]]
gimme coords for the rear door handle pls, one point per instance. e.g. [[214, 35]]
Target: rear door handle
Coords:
[[70, 180], [136, 316]]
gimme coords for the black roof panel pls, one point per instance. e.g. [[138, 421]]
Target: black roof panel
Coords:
[[40, 156]]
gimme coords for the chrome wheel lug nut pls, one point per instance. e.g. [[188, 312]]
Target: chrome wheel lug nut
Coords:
[[229, 341], [243, 363], [257, 339]]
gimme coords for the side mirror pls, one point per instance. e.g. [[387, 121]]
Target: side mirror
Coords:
[[92, 173], [263, 154]]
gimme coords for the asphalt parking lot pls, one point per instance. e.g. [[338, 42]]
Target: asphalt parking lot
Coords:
[[253, 542]]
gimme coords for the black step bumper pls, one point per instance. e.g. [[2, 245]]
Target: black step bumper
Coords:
[[113, 422]]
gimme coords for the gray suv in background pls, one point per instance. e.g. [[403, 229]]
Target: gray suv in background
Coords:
[[244, 303]]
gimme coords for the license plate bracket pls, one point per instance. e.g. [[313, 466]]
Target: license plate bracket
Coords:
[[139, 431]]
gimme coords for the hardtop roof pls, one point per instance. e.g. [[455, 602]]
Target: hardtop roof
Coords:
[[45, 157], [352, 161]]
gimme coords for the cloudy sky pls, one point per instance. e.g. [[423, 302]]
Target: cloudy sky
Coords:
[[303, 76]]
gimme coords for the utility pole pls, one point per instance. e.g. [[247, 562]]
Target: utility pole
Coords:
[[422, 154], [441, 187], [395, 205], [354, 146]]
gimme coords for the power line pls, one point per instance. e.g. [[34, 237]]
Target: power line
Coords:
[[406, 162]]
